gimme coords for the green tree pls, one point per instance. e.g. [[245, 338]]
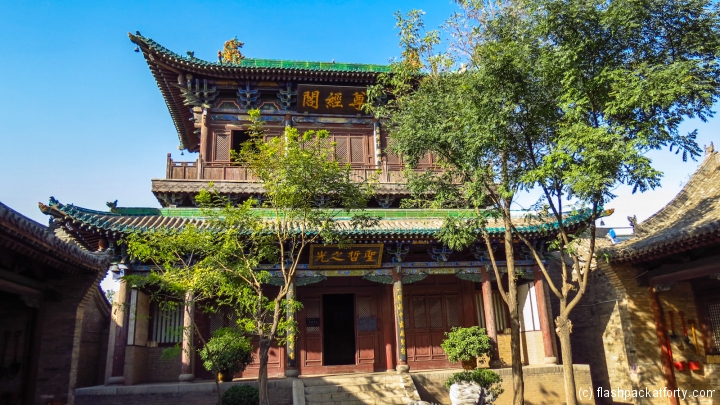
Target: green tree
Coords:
[[217, 262], [563, 96]]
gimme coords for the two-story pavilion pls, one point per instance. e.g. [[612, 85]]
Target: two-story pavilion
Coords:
[[352, 318]]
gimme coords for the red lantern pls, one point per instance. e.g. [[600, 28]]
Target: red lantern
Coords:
[[694, 365]]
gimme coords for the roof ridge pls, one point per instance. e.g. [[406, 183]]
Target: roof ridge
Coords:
[[263, 62], [689, 186]]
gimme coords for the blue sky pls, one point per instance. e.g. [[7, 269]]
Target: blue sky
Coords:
[[85, 122]]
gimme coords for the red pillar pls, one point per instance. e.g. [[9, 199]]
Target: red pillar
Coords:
[[489, 312], [665, 351], [402, 366], [388, 326], [544, 314]]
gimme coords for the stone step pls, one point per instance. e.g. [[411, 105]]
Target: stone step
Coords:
[[349, 396], [389, 401], [344, 380], [325, 389]]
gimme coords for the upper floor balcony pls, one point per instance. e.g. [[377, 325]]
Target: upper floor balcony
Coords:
[[183, 180]]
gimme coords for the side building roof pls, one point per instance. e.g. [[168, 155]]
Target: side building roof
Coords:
[[689, 221], [167, 67], [88, 226], [30, 238]]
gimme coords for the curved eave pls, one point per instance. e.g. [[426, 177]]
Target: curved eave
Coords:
[[165, 67], [90, 225]]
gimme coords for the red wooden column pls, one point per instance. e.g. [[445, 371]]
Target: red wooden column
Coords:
[[122, 306], [489, 312], [402, 366], [544, 315], [388, 326], [665, 350], [186, 368]]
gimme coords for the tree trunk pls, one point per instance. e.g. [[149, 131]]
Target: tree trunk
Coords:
[[263, 373], [517, 368], [512, 301], [563, 329]]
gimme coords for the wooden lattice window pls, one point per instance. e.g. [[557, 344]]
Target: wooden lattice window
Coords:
[[167, 323], [222, 146], [312, 315], [714, 314]]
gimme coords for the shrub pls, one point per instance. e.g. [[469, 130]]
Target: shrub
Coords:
[[464, 344], [229, 350], [241, 395], [487, 379]]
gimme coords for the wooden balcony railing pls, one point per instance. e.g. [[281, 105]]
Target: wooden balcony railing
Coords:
[[199, 170]]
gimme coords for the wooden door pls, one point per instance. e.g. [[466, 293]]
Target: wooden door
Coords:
[[427, 317], [366, 313], [310, 329]]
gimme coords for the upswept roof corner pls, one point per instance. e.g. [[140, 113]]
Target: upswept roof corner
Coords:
[[688, 221], [166, 66], [16, 226]]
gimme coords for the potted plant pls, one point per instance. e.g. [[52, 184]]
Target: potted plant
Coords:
[[226, 353], [479, 386], [466, 345]]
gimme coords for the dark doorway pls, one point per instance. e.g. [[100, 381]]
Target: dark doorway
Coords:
[[338, 329]]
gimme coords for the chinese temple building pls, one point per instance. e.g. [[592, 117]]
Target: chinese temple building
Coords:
[[383, 305], [652, 316]]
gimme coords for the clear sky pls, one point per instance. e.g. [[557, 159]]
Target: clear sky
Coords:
[[85, 122]]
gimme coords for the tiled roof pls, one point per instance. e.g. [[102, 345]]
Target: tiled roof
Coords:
[[690, 220], [22, 232], [393, 222], [250, 63], [165, 66]]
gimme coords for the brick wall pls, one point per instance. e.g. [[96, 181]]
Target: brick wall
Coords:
[[544, 385], [161, 370], [93, 343]]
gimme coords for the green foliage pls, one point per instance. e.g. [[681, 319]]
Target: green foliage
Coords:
[[228, 351], [216, 264], [171, 353], [463, 344], [485, 378], [241, 395]]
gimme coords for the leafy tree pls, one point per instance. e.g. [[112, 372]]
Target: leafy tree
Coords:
[[217, 263], [565, 96]]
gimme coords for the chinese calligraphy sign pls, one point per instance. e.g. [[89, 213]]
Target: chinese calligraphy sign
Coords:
[[356, 256], [331, 99]]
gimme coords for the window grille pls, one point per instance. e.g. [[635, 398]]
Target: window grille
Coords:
[[341, 149], [501, 322], [714, 312], [222, 146], [419, 313], [480, 310], [356, 150], [312, 312], [435, 309], [167, 323], [451, 311]]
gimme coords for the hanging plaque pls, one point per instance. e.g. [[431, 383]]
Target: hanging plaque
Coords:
[[356, 256], [330, 99]]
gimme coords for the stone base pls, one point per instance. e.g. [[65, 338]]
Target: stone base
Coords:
[[402, 368], [186, 377], [550, 360], [116, 380], [292, 372]]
